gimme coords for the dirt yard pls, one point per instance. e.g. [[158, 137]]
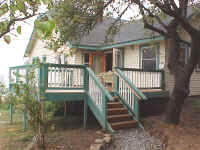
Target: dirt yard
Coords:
[[185, 136], [63, 134], [68, 134]]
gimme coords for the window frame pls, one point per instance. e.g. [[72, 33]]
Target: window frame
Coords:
[[157, 49]]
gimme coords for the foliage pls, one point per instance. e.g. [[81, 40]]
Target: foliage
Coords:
[[50, 106], [27, 99], [14, 11], [70, 20]]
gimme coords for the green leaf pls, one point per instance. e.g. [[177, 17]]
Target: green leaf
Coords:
[[46, 1], [19, 29], [7, 39], [3, 9]]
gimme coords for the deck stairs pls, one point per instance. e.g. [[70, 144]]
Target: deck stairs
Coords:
[[118, 115]]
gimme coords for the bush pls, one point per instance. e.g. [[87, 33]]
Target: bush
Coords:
[[50, 106]]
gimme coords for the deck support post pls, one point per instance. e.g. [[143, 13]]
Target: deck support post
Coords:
[[65, 110], [85, 112], [25, 118], [11, 113], [104, 111]]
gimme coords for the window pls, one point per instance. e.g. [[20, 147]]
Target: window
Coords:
[[149, 57], [118, 57], [184, 53]]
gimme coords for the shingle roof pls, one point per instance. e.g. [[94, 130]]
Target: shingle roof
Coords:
[[128, 32]]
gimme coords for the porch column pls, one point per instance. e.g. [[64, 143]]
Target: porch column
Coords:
[[90, 60], [103, 63]]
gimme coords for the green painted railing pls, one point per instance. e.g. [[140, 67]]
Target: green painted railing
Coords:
[[61, 76], [145, 79], [129, 94], [19, 74], [97, 98], [51, 76]]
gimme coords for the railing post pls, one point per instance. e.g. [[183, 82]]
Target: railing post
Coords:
[[116, 83], [104, 110], [10, 105], [137, 108], [86, 87]]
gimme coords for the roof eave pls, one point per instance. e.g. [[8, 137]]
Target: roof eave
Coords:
[[116, 45]]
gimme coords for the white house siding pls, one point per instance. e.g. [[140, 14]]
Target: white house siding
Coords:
[[78, 57], [39, 50], [131, 56]]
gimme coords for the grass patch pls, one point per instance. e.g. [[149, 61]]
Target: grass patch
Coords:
[[196, 103], [13, 137]]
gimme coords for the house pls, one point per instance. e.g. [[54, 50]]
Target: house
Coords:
[[132, 47], [132, 69]]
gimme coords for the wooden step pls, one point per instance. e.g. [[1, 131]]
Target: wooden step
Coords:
[[124, 124], [115, 105], [110, 89], [118, 118], [117, 111], [116, 98]]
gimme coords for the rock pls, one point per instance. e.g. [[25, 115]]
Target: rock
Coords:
[[109, 135], [96, 147], [99, 141], [99, 132], [53, 127], [107, 139]]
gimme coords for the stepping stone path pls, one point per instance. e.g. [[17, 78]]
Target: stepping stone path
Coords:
[[135, 139]]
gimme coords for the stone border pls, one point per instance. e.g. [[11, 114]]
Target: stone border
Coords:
[[103, 143]]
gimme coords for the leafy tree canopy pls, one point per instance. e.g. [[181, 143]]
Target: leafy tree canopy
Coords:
[[14, 11]]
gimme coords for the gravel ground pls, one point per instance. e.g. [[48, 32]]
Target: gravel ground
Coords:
[[135, 139]]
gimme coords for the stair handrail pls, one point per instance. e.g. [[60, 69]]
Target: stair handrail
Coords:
[[138, 93], [128, 94], [99, 84], [98, 97]]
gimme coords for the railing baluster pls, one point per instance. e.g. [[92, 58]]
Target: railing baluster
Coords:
[[64, 76], [144, 79]]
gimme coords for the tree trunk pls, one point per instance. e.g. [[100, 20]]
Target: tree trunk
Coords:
[[182, 74], [177, 98]]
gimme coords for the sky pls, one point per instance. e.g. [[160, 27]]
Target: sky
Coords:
[[12, 54]]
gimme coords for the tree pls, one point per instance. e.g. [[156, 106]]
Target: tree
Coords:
[[14, 11], [26, 92], [75, 18]]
